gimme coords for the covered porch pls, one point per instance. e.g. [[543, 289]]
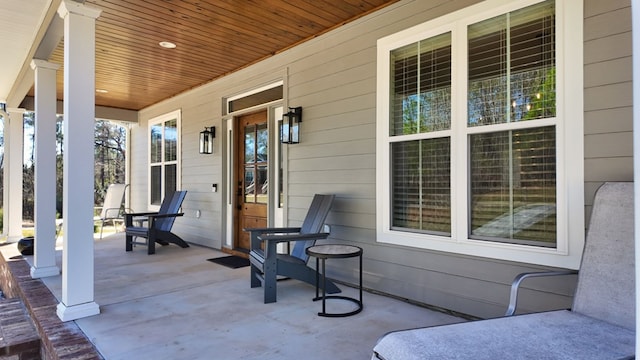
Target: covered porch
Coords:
[[176, 304]]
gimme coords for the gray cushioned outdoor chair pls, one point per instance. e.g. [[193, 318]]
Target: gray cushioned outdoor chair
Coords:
[[600, 325]]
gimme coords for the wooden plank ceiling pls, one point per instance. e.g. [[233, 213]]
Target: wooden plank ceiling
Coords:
[[213, 38]]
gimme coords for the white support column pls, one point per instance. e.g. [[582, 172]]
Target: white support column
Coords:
[[79, 117], [635, 21], [44, 263], [5, 174], [14, 149]]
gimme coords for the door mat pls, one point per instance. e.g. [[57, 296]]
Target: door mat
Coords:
[[232, 261]]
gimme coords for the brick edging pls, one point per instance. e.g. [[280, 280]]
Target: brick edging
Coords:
[[59, 340], [18, 336]]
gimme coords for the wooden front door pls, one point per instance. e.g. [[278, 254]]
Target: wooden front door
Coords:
[[251, 166]]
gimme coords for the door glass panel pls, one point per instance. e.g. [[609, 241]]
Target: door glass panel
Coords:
[[263, 141], [249, 180], [256, 140], [261, 185], [249, 144]]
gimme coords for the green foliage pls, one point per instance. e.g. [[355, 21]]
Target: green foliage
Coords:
[[28, 232], [426, 112], [543, 102]]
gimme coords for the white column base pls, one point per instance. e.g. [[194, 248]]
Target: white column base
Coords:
[[46, 271], [68, 313]]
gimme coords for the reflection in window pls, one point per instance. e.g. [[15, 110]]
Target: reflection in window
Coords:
[[512, 67], [421, 104], [171, 140], [511, 168], [421, 186], [156, 143], [511, 61], [513, 186], [421, 99]]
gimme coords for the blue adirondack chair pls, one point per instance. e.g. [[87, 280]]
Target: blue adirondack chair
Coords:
[[159, 224], [267, 263]]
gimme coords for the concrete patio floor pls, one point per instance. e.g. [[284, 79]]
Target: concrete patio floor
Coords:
[[177, 305]]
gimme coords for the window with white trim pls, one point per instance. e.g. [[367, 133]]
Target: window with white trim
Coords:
[[480, 133], [164, 157]]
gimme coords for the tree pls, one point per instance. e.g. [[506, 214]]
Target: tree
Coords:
[[28, 167], [110, 151], [109, 165]]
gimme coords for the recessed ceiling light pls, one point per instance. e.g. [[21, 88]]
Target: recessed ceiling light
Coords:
[[102, 91], [167, 44]]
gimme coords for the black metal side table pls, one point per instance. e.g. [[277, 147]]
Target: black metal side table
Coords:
[[330, 251]]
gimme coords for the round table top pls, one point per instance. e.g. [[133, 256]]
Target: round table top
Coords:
[[334, 251]]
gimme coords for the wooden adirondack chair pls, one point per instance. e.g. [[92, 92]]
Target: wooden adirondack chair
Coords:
[[267, 264], [159, 224]]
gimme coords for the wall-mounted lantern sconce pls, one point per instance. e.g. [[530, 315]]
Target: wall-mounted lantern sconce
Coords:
[[206, 140], [290, 130]]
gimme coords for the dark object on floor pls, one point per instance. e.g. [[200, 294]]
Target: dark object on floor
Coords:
[[232, 261], [25, 245]]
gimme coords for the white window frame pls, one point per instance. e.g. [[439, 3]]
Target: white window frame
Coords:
[[569, 138], [177, 114]]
